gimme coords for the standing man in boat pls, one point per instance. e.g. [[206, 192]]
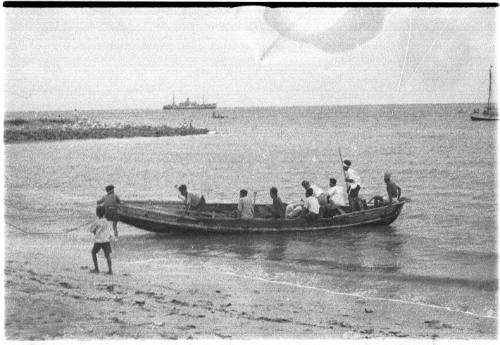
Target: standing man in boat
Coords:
[[352, 178], [193, 201]]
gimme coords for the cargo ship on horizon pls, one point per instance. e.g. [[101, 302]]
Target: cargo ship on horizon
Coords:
[[189, 105]]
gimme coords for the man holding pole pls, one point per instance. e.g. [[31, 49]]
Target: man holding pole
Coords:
[[353, 187]]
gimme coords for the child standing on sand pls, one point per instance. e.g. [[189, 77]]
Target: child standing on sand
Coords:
[[102, 231]]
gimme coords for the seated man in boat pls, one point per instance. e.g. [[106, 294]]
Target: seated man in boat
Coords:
[[317, 192], [294, 210], [311, 206], [277, 209], [335, 199], [245, 206], [393, 190], [378, 201], [193, 201]]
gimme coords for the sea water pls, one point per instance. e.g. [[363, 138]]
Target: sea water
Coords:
[[441, 251]]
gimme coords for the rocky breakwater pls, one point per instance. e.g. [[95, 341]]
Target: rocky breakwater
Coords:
[[21, 130]]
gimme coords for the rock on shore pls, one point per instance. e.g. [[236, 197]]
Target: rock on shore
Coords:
[[20, 130]]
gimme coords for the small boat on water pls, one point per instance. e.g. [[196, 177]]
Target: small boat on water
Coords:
[[217, 116], [490, 112], [170, 216]]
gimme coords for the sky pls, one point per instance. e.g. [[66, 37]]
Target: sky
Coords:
[[138, 58]]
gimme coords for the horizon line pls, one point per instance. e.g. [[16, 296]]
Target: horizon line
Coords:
[[247, 106]]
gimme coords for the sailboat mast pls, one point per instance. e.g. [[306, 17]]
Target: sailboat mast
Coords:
[[489, 90]]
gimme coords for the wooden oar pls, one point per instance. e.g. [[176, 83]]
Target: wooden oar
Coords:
[[342, 166]]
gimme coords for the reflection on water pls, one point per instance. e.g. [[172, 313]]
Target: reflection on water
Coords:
[[360, 249]]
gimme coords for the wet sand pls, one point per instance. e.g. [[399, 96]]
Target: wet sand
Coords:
[[50, 294]]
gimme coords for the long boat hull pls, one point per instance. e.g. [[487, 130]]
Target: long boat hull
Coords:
[[165, 217], [190, 107], [479, 117]]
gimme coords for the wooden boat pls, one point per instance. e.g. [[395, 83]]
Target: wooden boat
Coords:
[[490, 112], [169, 216]]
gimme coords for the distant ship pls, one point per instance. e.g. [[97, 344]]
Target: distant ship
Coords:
[[490, 112], [189, 105]]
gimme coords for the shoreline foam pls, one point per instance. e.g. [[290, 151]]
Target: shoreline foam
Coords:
[[52, 295]]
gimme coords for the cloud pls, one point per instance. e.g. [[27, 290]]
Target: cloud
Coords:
[[331, 30]]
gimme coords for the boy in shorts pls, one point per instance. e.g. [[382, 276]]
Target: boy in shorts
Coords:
[[102, 236]]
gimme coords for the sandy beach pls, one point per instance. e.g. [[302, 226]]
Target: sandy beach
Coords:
[[255, 96], [50, 294]]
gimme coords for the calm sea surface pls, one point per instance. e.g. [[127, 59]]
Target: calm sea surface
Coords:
[[442, 250]]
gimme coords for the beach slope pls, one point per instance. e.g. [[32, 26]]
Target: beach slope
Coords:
[[50, 294]]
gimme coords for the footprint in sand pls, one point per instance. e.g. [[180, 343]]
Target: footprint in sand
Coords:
[[187, 327], [117, 320], [36, 280], [184, 304], [222, 335], [147, 293], [436, 324]]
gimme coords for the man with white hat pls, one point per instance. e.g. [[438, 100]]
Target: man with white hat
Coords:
[[352, 178]]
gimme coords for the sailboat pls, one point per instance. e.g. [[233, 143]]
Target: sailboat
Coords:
[[490, 112]]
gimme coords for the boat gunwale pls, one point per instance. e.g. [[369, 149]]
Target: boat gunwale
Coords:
[[237, 225], [258, 219], [208, 228]]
